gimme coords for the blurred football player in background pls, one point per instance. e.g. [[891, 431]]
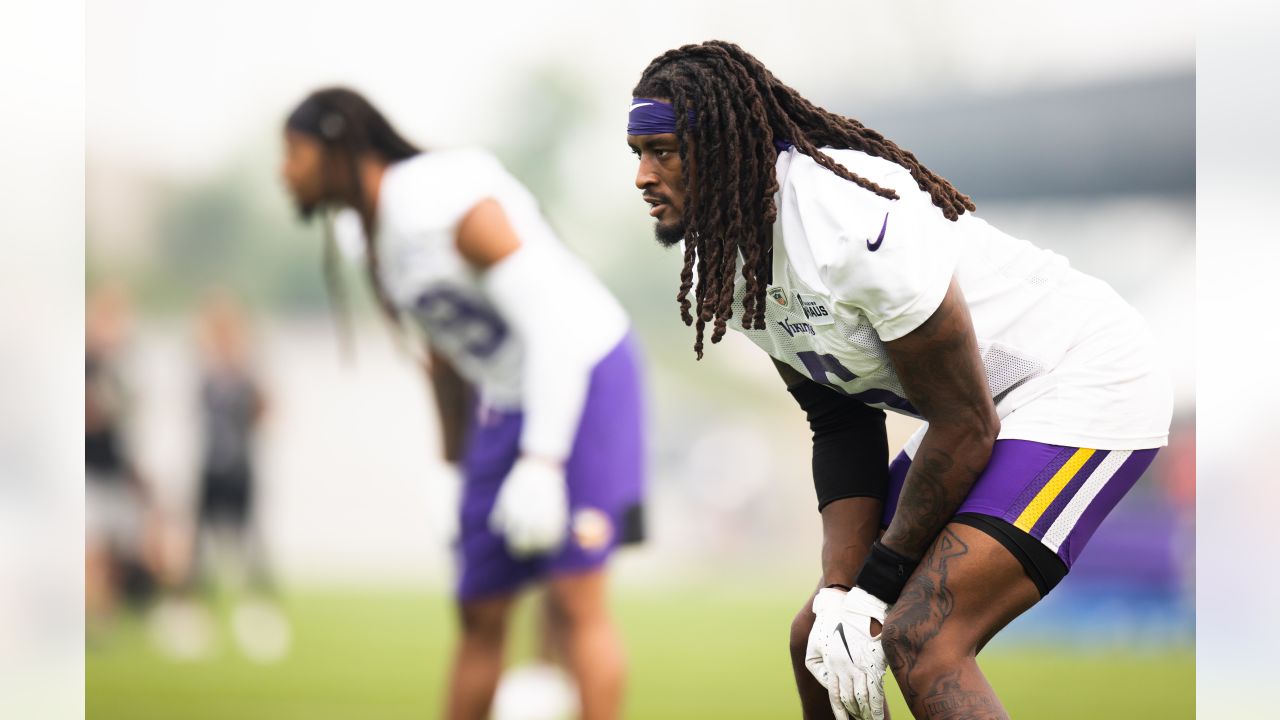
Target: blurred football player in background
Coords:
[[535, 372]]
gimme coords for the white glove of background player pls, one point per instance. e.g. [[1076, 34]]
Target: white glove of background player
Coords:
[[532, 510], [843, 655]]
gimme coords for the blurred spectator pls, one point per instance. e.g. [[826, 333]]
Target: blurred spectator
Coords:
[[120, 559], [231, 406], [227, 547]]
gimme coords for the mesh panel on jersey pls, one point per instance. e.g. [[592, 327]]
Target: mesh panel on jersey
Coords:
[[1006, 371], [862, 336]]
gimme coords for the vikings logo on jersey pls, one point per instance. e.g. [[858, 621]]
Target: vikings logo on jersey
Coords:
[[796, 327]]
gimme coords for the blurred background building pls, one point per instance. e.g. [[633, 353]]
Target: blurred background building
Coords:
[[1070, 126]]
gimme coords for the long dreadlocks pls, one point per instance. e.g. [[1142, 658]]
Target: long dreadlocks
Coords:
[[350, 128], [740, 110]]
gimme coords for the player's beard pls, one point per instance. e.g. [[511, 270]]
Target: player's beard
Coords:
[[668, 235]]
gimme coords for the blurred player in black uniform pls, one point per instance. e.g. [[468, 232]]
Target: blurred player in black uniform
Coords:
[[227, 548], [119, 561]]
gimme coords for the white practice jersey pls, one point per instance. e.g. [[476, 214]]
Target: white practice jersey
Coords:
[[1067, 360], [420, 205]]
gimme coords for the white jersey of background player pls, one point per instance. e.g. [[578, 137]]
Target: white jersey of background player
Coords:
[[421, 203]]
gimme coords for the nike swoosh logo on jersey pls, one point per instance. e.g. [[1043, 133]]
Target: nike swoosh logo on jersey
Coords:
[[874, 246], [639, 105], [840, 629]]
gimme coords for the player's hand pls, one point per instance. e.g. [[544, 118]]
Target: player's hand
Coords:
[[848, 659], [532, 510], [826, 608]]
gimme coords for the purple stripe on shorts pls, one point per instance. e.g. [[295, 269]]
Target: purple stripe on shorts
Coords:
[[1103, 503], [1055, 508], [897, 475], [1029, 456]]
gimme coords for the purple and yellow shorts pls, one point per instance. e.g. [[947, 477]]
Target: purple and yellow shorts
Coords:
[[604, 472], [1055, 494]]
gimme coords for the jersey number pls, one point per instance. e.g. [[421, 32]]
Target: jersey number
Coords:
[[820, 366], [450, 312]]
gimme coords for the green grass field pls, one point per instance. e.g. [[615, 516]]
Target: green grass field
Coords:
[[372, 656]]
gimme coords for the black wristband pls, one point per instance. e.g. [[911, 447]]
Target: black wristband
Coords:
[[885, 572]]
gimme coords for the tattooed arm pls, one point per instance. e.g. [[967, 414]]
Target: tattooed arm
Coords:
[[943, 376]]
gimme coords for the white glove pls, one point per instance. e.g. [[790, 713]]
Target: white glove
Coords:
[[826, 606], [843, 655], [532, 510]]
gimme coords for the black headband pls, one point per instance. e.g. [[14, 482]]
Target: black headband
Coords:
[[313, 118]]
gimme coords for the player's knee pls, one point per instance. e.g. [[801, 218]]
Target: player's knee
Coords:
[[577, 602], [901, 645], [921, 651], [484, 623], [799, 640]]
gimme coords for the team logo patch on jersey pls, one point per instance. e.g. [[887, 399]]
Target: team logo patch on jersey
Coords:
[[592, 529], [779, 296], [814, 310]]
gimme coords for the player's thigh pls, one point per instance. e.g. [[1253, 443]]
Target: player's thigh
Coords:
[[580, 596], [486, 617], [967, 588]]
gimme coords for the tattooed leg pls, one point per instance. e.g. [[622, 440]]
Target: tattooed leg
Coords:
[[966, 589]]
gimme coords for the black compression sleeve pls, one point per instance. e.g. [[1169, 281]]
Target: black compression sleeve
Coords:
[[850, 448]]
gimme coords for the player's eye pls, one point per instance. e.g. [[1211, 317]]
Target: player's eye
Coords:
[[635, 151]]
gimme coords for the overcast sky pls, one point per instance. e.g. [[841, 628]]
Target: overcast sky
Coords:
[[176, 86]]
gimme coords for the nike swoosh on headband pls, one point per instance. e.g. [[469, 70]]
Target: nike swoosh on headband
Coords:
[[874, 246], [639, 105]]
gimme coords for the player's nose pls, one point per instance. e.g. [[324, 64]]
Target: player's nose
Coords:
[[645, 176]]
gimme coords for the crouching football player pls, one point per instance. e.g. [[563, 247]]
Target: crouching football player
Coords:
[[872, 286]]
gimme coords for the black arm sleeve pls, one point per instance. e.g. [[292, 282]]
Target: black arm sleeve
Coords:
[[850, 447]]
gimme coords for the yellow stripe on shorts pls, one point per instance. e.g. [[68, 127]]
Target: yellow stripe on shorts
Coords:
[[1049, 492]]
